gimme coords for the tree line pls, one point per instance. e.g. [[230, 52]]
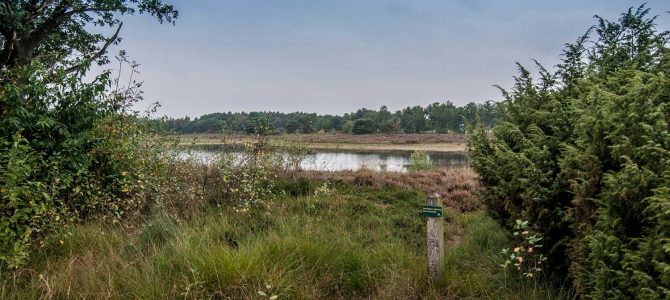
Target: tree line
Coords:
[[437, 117]]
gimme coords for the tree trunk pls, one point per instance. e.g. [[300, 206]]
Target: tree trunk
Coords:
[[17, 51]]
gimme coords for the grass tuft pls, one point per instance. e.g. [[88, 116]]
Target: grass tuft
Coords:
[[355, 241]]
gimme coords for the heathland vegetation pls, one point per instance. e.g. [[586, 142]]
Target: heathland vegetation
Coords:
[[259, 230], [428, 142], [96, 202]]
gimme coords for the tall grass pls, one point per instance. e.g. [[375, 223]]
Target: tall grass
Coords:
[[354, 242], [457, 185]]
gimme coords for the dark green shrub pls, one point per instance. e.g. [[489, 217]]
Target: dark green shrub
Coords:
[[582, 154], [364, 126], [25, 203], [69, 151], [628, 228]]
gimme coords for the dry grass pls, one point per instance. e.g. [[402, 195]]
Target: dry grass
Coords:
[[347, 142], [361, 239], [457, 186], [427, 138], [195, 184], [431, 147]]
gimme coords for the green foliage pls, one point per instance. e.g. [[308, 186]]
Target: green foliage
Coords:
[[16, 170], [419, 161], [525, 256], [364, 126], [583, 155], [438, 117], [472, 266], [246, 181], [68, 152], [243, 179], [296, 187], [632, 160], [70, 149], [360, 242], [293, 152], [258, 125], [414, 120], [348, 127], [58, 34]]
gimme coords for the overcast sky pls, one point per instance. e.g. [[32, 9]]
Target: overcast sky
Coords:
[[330, 56]]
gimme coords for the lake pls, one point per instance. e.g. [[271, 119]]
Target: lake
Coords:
[[333, 160]]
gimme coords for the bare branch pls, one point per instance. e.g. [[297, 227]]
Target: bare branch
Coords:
[[100, 53]]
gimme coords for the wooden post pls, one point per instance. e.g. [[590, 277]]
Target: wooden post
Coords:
[[435, 239]]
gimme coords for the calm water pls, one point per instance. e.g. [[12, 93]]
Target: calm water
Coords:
[[352, 161], [341, 161]]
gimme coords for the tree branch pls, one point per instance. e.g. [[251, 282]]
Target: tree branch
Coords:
[[9, 5], [7, 51], [36, 9], [51, 23], [6, 18], [60, 14], [100, 53]]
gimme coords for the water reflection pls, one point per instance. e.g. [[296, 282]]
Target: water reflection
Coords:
[[349, 161]]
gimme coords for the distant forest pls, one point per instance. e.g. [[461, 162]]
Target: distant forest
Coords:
[[437, 117]]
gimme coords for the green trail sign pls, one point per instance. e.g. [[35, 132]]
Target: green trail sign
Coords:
[[431, 211]]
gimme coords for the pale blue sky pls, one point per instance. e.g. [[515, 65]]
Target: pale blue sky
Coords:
[[330, 56]]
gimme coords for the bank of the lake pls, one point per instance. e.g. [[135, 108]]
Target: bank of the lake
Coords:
[[347, 142]]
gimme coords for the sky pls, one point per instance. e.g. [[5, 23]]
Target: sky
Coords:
[[336, 56]]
